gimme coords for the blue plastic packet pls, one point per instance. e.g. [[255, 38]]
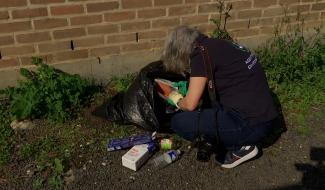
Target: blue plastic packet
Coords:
[[123, 143]]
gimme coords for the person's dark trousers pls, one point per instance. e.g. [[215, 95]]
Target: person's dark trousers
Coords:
[[185, 124]]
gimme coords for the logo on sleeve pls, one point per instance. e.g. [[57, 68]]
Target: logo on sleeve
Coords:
[[251, 61]]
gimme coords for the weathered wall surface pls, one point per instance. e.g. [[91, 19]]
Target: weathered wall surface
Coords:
[[100, 38]]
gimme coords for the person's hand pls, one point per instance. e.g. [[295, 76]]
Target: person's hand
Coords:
[[174, 97]]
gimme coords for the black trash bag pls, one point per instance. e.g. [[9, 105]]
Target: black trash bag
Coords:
[[140, 104]]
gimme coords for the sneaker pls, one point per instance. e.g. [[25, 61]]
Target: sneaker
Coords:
[[234, 158]]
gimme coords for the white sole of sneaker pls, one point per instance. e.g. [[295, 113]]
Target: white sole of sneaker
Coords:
[[241, 160]]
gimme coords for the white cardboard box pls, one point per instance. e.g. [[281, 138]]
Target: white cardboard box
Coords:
[[136, 157]]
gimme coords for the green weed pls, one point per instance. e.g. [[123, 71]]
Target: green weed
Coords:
[[295, 68], [6, 134], [221, 32], [49, 156], [49, 93], [26, 151], [122, 83]]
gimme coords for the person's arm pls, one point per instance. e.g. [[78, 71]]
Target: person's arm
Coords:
[[194, 93]]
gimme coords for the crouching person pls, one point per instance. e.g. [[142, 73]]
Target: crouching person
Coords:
[[241, 86]]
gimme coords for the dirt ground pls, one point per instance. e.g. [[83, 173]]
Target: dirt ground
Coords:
[[293, 162]]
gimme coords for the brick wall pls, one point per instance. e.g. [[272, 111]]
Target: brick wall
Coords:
[[74, 30]]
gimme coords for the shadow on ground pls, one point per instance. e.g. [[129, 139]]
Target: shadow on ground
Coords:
[[313, 174]]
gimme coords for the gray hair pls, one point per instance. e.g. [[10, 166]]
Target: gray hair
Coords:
[[178, 48]]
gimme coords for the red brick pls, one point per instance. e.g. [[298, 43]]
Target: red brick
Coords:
[[165, 22], [17, 50], [158, 34], [299, 8], [167, 2], [183, 10], [4, 15], [89, 19], [237, 24], [270, 12], [103, 29], [4, 63], [135, 26], [239, 5], [15, 27], [249, 14], [208, 8], [120, 38], [102, 51], [105, 6], [13, 3], [45, 1], [267, 30], [318, 7], [246, 32], [33, 37], [311, 16], [48, 59], [119, 16], [67, 9], [50, 23], [264, 3], [196, 1], [206, 28], [157, 44], [88, 42], [136, 47], [71, 55], [6, 40], [55, 46], [195, 19], [69, 33], [136, 3], [29, 13], [286, 2], [151, 13]]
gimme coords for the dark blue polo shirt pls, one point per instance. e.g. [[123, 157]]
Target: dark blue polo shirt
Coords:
[[240, 79]]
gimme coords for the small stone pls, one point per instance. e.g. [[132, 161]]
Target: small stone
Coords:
[[30, 173], [21, 125], [103, 164], [90, 161], [84, 168], [69, 177]]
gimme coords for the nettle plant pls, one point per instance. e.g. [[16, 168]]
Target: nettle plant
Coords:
[[292, 57], [295, 67], [49, 93], [220, 31]]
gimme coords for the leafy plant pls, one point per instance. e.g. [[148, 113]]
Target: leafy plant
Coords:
[[49, 93], [49, 156], [6, 133], [221, 32], [295, 68], [122, 83], [293, 58]]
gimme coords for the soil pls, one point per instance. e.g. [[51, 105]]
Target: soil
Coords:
[[292, 162]]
